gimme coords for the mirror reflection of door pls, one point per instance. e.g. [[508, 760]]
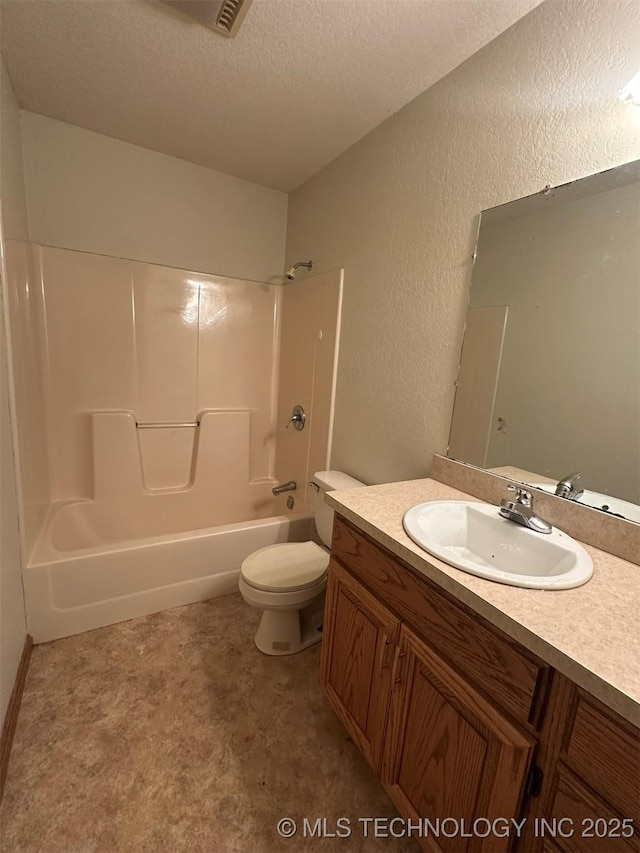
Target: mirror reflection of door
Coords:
[[478, 384]]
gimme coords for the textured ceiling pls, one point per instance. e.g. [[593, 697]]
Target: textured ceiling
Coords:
[[301, 82]]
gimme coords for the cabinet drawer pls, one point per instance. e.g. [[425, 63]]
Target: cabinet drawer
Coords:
[[604, 750], [505, 672]]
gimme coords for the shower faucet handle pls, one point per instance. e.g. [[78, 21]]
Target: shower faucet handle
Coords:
[[297, 418]]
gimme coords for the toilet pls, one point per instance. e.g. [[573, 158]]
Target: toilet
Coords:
[[288, 581]]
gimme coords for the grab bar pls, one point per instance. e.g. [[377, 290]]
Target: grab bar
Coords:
[[167, 425]]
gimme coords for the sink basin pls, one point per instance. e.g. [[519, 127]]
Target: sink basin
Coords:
[[475, 538], [606, 503]]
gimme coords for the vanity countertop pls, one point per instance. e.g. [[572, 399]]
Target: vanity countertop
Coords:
[[591, 633]]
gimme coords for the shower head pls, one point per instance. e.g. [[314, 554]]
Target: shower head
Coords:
[[290, 275]]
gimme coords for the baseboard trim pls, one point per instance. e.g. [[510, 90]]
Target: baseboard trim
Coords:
[[9, 727]]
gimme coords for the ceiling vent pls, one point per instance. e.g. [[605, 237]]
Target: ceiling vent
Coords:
[[223, 16]]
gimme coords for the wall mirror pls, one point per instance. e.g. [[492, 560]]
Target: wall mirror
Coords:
[[549, 381]]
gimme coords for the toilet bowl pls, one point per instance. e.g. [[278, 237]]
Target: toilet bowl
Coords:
[[288, 581]]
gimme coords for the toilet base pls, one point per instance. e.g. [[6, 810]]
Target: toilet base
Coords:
[[285, 632]]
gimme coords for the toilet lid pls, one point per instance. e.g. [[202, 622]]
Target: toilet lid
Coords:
[[286, 567]]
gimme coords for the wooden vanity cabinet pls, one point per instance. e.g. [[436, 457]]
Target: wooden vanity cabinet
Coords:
[[461, 722]]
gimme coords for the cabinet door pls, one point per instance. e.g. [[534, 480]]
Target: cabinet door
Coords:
[[590, 797], [581, 821], [359, 638], [449, 753]]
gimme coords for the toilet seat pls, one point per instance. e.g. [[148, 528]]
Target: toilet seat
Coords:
[[287, 567]]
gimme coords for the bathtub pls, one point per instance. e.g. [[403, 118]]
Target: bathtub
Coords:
[[71, 589]]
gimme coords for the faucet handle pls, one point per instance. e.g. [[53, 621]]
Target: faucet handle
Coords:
[[523, 496], [298, 418]]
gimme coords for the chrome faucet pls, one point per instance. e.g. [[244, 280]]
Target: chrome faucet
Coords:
[[284, 487], [520, 511], [566, 487]]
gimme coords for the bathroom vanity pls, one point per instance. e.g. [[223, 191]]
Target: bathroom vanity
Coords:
[[474, 700]]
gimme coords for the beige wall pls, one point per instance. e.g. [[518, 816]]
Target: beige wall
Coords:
[[92, 193], [12, 220], [399, 211], [569, 386]]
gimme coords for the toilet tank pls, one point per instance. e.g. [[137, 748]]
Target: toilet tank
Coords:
[[328, 481]]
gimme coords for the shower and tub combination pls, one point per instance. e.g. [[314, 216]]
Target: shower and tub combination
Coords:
[[151, 413]]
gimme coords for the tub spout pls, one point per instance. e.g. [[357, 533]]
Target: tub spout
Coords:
[[284, 487]]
